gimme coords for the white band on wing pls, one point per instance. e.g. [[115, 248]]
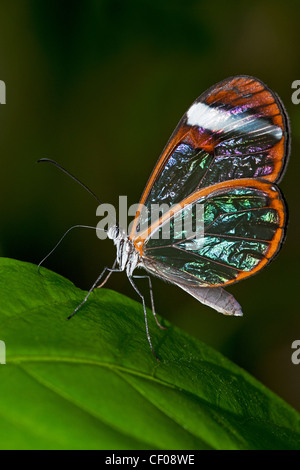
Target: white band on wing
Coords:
[[214, 119]]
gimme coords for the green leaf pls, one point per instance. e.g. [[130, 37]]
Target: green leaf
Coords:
[[92, 382]]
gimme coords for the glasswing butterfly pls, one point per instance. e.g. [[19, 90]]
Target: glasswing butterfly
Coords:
[[228, 153]]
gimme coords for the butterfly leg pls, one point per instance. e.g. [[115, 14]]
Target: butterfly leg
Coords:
[[109, 274], [145, 314], [111, 270], [152, 300]]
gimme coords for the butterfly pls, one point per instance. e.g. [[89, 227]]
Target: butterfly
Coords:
[[227, 153]]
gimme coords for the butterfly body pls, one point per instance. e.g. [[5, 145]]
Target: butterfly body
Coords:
[[127, 255], [128, 259]]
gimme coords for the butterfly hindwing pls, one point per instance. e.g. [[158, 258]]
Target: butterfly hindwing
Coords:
[[215, 297], [243, 228]]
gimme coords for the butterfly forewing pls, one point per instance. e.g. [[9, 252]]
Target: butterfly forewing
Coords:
[[237, 129]]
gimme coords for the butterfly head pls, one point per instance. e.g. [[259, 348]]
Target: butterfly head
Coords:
[[115, 233]]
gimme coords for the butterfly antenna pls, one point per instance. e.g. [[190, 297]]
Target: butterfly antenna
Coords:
[[48, 160], [61, 239]]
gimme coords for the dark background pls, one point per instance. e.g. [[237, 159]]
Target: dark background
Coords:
[[99, 86]]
